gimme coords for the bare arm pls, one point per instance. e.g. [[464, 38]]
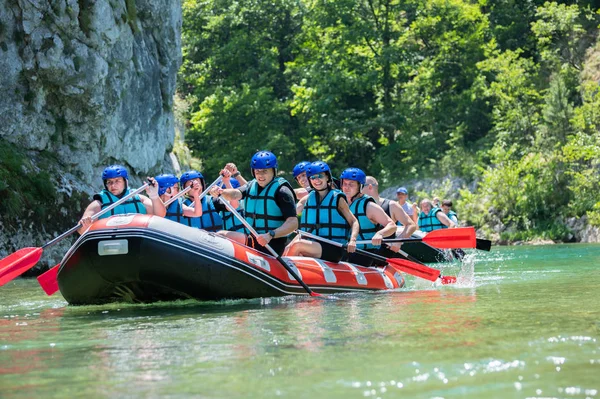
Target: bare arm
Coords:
[[300, 193], [351, 219], [231, 194], [415, 215], [300, 205], [86, 220], [377, 215], [442, 217]]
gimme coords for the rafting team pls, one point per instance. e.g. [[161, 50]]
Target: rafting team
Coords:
[[271, 205]]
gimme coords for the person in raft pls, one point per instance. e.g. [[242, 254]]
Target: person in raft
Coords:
[[325, 213], [374, 223], [116, 181], [211, 219], [433, 218], [269, 205], [168, 186], [299, 173]]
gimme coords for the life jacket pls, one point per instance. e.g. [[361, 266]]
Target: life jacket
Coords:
[[231, 223], [262, 211], [175, 211], [324, 219], [358, 207], [430, 222], [210, 219], [453, 216], [132, 205]]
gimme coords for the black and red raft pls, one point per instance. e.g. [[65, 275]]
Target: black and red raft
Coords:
[[141, 258]]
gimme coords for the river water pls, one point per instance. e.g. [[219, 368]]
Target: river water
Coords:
[[523, 322]]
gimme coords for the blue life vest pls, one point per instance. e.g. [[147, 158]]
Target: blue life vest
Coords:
[[132, 205], [232, 223], [453, 216], [175, 211], [262, 211], [430, 222], [324, 219], [358, 207], [210, 219]]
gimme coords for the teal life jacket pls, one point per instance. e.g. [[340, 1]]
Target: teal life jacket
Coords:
[[175, 211], [324, 219], [210, 219], [232, 223], [453, 216], [358, 207], [262, 211], [132, 205], [430, 222]]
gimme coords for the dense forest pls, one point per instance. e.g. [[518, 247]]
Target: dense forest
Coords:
[[501, 94]]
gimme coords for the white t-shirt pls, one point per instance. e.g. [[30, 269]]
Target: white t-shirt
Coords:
[[407, 208]]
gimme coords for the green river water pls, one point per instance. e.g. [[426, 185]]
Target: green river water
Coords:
[[523, 322]]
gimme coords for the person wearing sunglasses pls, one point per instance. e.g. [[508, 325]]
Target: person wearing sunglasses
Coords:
[[374, 223], [325, 213], [269, 205]]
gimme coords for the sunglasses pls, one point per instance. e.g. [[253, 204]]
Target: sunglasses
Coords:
[[317, 176]]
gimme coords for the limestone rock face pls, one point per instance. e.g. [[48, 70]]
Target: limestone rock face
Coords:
[[91, 81], [85, 84]]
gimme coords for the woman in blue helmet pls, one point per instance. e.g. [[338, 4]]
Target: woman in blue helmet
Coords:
[[299, 173], [115, 178], [325, 213], [374, 223], [269, 204], [210, 220], [168, 186]]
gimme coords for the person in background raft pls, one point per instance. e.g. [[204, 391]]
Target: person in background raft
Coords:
[[394, 211], [299, 173], [411, 209], [115, 179], [447, 208], [432, 218], [269, 204], [325, 213], [168, 186], [374, 222], [230, 222]]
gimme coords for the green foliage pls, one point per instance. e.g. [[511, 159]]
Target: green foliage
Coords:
[[490, 91], [24, 188]]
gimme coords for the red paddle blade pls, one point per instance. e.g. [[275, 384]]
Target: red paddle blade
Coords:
[[460, 237], [13, 266], [448, 280], [48, 280], [415, 269]]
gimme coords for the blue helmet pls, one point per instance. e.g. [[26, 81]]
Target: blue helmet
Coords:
[[354, 174], [300, 168], [317, 167], [165, 181], [189, 175], [113, 171], [263, 160]]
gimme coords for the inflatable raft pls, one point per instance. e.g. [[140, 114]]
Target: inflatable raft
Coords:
[[141, 258]]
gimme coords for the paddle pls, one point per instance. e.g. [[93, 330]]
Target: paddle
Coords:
[[460, 237], [414, 268], [483, 245], [47, 280], [271, 250], [24, 259]]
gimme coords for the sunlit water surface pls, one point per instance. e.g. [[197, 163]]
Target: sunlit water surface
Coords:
[[523, 322]]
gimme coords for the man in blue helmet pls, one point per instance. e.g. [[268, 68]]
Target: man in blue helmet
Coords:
[[374, 223], [269, 204], [115, 178], [299, 173], [325, 213], [168, 186]]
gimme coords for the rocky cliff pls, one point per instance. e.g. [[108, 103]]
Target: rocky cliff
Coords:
[[85, 83]]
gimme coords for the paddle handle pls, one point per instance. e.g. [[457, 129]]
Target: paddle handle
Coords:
[[95, 217], [179, 194], [340, 245], [271, 250], [391, 240]]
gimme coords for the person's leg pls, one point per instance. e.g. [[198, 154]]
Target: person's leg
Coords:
[[302, 247], [234, 236]]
